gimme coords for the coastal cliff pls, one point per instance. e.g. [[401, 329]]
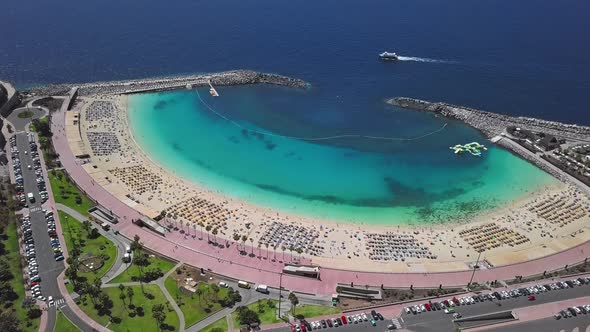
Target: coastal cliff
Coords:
[[234, 77], [493, 124]]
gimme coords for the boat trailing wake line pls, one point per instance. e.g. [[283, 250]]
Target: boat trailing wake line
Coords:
[[417, 59], [322, 138]]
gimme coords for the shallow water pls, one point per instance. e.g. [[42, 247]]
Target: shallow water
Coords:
[[353, 179]]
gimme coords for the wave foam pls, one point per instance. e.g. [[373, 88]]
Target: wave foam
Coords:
[[417, 59]]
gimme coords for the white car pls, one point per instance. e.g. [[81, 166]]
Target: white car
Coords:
[[364, 316], [408, 311], [461, 301]]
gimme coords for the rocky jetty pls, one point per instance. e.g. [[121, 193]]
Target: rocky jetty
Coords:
[[235, 77], [493, 124]]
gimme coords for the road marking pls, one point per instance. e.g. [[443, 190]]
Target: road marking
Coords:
[[57, 302]]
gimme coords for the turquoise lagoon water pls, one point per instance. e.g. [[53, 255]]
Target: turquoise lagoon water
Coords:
[[356, 180]]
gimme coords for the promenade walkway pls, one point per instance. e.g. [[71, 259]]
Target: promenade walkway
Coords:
[[230, 263]]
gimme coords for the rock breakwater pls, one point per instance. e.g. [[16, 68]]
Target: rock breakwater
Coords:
[[234, 77], [493, 124]]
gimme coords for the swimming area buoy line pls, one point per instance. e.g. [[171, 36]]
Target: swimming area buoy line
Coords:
[[321, 138]]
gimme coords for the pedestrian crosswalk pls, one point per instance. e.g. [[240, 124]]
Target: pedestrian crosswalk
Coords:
[[35, 209], [57, 303], [396, 323]]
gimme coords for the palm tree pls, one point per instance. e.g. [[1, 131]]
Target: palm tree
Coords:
[[275, 249], [130, 294], [215, 234], [208, 228], [199, 292], [158, 314], [259, 248], [195, 228], [237, 238], [201, 224], [188, 225], [291, 248], [283, 248], [299, 251], [294, 301], [87, 226], [244, 238], [266, 245], [252, 245]]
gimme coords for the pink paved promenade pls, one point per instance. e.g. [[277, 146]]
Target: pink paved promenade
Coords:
[[228, 261]]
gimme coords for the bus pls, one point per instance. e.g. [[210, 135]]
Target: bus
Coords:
[[244, 284]]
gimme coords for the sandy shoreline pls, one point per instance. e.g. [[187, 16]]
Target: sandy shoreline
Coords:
[[130, 175]]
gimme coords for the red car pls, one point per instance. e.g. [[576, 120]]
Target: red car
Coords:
[[532, 298], [293, 328], [427, 306], [344, 320], [456, 301]]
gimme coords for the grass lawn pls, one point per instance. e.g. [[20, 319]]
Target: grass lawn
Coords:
[[145, 323], [70, 287], [25, 114], [73, 228], [63, 324], [222, 324], [13, 258], [267, 315], [195, 309], [156, 261], [309, 310], [66, 193]]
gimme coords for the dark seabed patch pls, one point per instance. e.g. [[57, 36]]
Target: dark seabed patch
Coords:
[[403, 196]]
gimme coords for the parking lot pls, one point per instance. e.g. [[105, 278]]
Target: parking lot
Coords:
[[42, 268], [440, 321], [350, 322], [582, 323]]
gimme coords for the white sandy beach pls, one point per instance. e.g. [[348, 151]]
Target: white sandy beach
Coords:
[[507, 234]]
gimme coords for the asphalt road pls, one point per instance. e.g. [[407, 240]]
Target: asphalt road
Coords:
[[582, 322], [49, 269], [361, 327], [439, 321]]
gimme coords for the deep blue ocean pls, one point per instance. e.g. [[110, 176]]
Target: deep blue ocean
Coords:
[[517, 57], [522, 58]]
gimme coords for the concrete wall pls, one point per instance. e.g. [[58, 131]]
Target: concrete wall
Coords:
[[12, 99]]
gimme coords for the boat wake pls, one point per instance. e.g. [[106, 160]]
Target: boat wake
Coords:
[[416, 59]]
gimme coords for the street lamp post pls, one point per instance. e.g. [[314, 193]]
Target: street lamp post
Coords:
[[476, 266], [280, 292]]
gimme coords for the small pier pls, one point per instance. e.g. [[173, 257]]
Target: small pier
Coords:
[[495, 139], [212, 90]]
